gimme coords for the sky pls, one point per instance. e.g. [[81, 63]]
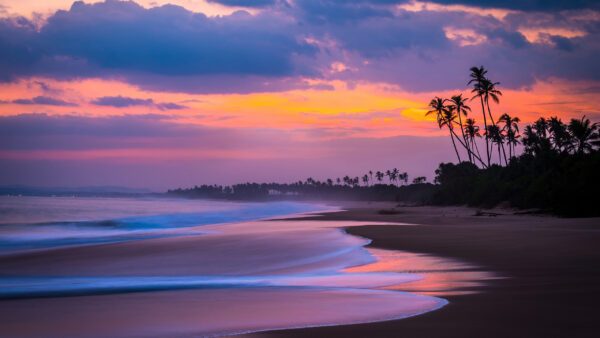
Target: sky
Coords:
[[175, 93]]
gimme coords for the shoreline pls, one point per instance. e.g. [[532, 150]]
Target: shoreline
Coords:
[[551, 267]]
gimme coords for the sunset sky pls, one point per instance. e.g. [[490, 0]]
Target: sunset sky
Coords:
[[170, 93]]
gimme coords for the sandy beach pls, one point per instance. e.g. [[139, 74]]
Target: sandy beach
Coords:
[[551, 265], [504, 274]]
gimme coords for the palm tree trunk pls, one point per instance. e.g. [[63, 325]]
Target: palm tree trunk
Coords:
[[487, 102], [499, 156], [454, 144], [464, 137], [476, 147], [487, 145], [472, 153]]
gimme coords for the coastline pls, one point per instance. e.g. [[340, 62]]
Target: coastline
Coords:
[[552, 284]]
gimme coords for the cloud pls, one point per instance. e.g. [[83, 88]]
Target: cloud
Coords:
[[171, 49], [114, 37], [44, 100], [245, 3], [122, 101], [525, 5]]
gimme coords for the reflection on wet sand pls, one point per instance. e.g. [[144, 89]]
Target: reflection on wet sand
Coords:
[[442, 276]]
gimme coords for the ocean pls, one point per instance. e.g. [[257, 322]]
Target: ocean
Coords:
[[164, 267]]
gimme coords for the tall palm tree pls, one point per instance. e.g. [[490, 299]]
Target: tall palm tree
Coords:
[[511, 128], [583, 133], [371, 176], [458, 103], [365, 179], [488, 91], [478, 80]]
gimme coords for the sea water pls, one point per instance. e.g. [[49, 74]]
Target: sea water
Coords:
[[162, 267]]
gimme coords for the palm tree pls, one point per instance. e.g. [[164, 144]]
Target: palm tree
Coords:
[[471, 132], [512, 139], [458, 103], [495, 135], [559, 134], [583, 133], [395, 173], [478, 79], [489, 90], [445, 117], [511, 128], [379, 176], [365, 179], [371, 175], [541, 127], [404, 177]]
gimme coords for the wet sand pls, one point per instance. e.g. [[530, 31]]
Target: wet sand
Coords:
[[551, 265]]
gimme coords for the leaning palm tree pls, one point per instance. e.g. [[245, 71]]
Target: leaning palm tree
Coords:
[[478, 80], [445, 117], [583, 133], [458, 103], [511, 128], [448, 119]]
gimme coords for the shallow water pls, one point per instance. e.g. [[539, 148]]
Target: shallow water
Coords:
[[161, 268]]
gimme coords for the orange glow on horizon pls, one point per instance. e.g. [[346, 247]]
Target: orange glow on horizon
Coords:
[[366, 110]]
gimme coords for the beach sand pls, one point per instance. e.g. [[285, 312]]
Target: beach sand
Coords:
[[551, 267]]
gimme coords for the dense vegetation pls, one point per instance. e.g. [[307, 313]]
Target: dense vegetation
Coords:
[[557, 171], [310, 189]]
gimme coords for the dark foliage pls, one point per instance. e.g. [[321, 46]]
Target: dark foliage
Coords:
[[311, 190], [557, 182]]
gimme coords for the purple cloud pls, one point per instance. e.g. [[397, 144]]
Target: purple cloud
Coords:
[[245, 3], [122, 101], [169, 48], [44, 100]]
